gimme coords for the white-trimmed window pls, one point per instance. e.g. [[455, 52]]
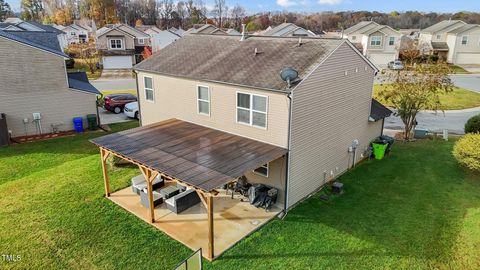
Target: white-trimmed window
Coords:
[[141, 41], [376, 41], [115, 43], [354, 37], [252, 109], [391, 41], [464, 40], [148, 87], [439, 36], [203, 100], [263, 170]]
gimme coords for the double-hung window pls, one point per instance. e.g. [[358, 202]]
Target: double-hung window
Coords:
[[464, 40], [252, 109], [148, 86], [141, 41], [263, 170], [115, 43], [203, 100], [376, 41], [391, 41]]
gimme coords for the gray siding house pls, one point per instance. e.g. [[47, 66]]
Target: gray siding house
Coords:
[[34, 80], [325, 119]]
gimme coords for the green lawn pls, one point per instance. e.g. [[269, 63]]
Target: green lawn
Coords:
[[81, 66], [417, 209], [456, 100], [458, 70]]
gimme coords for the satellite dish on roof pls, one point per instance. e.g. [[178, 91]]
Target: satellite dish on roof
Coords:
[[288, 75]]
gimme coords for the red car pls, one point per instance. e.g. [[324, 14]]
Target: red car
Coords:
[[116, 102]]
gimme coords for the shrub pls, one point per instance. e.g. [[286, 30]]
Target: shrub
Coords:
[[473, 125], [467, 151]]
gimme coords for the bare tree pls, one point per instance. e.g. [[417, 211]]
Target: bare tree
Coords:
[[165, 9], [219, 11], [182, 12], [238, 13]]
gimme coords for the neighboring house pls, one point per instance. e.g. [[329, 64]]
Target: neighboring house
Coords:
[[379, 43], [163, 39], [15, 24], [287, 30], [433, 40], [76, 34], [150, 30], [205, 29], [121, 46], [234, 86], [88, 25], [464, 45], [35, 82]]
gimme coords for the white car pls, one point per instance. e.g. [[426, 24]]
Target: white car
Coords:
[[131, 110], [395, 65]]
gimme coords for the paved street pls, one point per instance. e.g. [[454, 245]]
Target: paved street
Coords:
[[467, 81], [107, 117], [454, 121], [114, 84]]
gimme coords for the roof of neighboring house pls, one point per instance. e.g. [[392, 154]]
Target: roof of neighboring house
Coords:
[[41, 40], [205, 29], [226, 59], [76, 27], [86, 24], [47, 28], [440, 26], [358, 26], [273, 31], [79, 81], [104, 30], [379, 28], [10, 26], [358, 46], [232, 31], [131, 31], [218, 161], [464, 28], [440, 46], [144, 28], [378, 111]]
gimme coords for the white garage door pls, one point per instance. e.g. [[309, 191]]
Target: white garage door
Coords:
[[468, 59], [117, 62], [381, 59]]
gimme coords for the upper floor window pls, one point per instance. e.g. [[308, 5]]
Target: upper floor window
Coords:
[[439, 36], [141, 41], [391, 41], [354, 37], [115, 43], [252, 109], [464, 40], [148, 86], [263, 170], [203, 100], [376, 41]]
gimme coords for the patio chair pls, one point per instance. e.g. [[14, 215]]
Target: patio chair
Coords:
[[139, 183], [183, 201], [157, 198]]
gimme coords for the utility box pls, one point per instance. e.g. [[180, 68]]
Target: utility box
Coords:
[[4, 135]]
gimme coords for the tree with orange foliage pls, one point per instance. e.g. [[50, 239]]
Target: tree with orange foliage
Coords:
[[138, 22], [147, 52]]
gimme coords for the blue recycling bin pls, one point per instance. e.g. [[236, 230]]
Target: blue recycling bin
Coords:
[[78, 124]]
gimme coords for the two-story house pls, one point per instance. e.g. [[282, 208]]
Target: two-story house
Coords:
[[379, 43], [464, 45], [214, 108], [75, 33], [433, 39], [121, 46], [37, 94]]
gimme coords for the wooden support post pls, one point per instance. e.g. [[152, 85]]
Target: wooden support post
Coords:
[[211, 253], [149, 177], [202, 198], [104, 155]]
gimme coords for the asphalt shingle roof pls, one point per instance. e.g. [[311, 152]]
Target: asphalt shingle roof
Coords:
[[463, 28], [41, 40], [226, 59], [440, 46], [439, 26], [378, 111], [47, 28], [79, 81]]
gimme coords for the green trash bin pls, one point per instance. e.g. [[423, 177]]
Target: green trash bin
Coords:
[[379, 150], [92, 121]]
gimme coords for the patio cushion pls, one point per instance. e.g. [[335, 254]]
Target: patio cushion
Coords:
[[183, 201], [139, 183], [157, 198]]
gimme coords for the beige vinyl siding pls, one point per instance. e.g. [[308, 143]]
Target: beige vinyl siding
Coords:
[[102, 41], [329, 110], [35, 81], [177, 98], [276, 178]]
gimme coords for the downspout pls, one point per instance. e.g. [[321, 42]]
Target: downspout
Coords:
[[138, 98], [287, 156]]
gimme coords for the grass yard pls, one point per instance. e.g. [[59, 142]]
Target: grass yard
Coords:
[[458, 70], [81, 66], [456, 100], [417, 209]]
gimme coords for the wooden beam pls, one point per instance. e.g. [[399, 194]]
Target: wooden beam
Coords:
[[104, 155], [202, 198], [149, 176], [211, 253]]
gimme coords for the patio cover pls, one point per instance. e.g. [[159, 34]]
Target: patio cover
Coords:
[[202, 157]]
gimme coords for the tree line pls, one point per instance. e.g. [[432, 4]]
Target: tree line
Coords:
[[169, 13]]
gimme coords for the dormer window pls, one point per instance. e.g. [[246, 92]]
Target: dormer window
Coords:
[[115, 43]]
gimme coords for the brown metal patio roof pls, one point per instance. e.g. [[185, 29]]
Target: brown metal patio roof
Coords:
[[196, 155]]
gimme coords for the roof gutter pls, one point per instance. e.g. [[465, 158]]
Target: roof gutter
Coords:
[[287, 167]]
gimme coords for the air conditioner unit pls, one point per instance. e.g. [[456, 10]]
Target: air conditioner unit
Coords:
[[36, 116]]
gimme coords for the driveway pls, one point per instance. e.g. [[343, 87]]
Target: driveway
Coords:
[[107, 117], [453, 121], [471, 68], [114, 84], [467, 81]]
